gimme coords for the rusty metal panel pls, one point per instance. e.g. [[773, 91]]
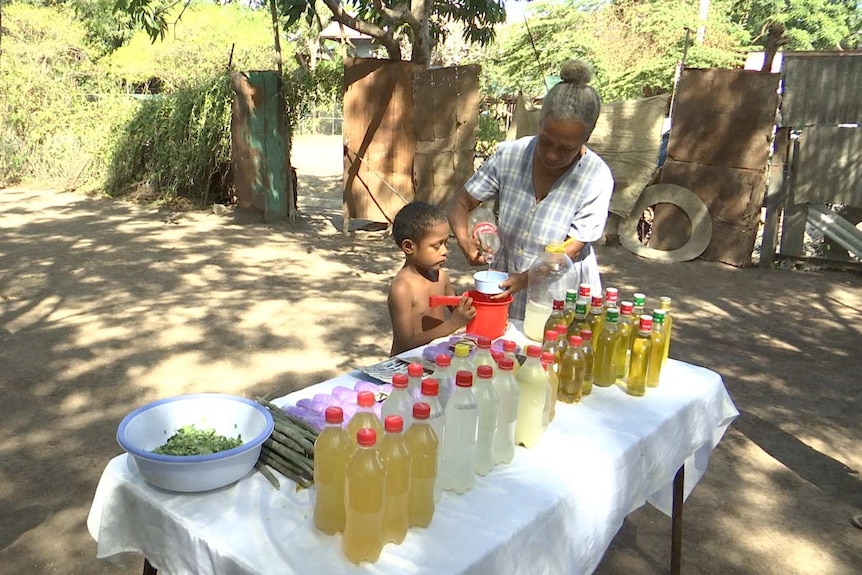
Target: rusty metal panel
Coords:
[[830, 166], [724, 117], [730, 194], [823, 89], [731, 244]]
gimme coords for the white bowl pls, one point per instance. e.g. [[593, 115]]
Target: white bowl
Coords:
[[488, 281], [150, 426]]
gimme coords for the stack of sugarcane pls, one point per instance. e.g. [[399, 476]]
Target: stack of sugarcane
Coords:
[[289, 450]]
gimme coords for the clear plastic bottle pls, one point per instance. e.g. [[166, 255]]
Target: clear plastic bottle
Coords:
[[363, 501], [580, 321], [423, 446], [571, 373], [550, 366], [636, 380], [395, 457], [488, 403], [509, 348], [415, 373], [549, 342], [569, 308], [548, 279], [657, 336], [436, 419], [459, 441], [612, 298], [445, 377], [364, 416], [665, 304], [596, 318], [533, 384], [461, 361], [483, 227], [604, 371], [557, 317], [507, 416], [589, 360], [483, 356], [399, 401], [626, 325], [332, 451]]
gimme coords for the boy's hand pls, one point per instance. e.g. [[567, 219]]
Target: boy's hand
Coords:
[[464, 311]]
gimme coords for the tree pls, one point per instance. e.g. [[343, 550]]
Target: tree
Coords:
[[808, 24]]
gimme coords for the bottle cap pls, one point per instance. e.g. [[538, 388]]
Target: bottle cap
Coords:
[[534, 351], [366, 436], [497, 355], [462, 350], [484, 343], [571, 295], [559, 304], [561, 329], [575, 340], [658, 315], [645, 323], [509, 345], [485, 371], [334, 414], [664, 302], [586, 334], [626, 307], [464, 379], [584, 291], [506, 364], [640, 299], [415, 370], [393, 424], [547, 358], [365, 399], [551, 335], [596, 301], [399, 380], [613, 314], [612, 294], [580, 309], [421, 410], [430, 386], [442, 360]]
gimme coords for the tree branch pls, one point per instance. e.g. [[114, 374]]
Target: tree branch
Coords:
[[398, 15], [380, 34]]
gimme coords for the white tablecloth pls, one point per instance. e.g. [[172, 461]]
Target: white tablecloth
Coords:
[[554, 509]]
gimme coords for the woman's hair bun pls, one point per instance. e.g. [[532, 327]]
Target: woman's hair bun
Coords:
[[576, 72]]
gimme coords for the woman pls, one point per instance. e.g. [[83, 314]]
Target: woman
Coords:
[[550, 187]]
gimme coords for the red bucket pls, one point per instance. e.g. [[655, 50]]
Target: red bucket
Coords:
[[491, 315]]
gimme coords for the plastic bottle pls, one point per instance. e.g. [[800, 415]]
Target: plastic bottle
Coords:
[[399, 401], [665, 303], [364, 416], [612, 298], [571, 372], [488, 403], [625, 325], [636, 380], [596, 318], [395, 457], [557, 317], [461, 361], [548, 414], [423, 446], [445, 378], [589, 360], [549, 342], [332, 451], [482, 355], [483, 227], [547, 280], [657, 336], [509, 348], [533, 386], [604, 372], [436, 419], [569, 309], [579, 322], [363, 501], [415, 374], [584, 294], [507, 416], [562, 344], [459, 441], [638, 301]]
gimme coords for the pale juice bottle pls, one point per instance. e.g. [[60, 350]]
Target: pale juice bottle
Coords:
[[589, 360], [423, 446], [665, 303], [364, 417], [445, 378], [461, 361], [571, 374], [395, 456], [636, 380], [658, 335], [533, 384], [550, 366], [332, 450], [625, 325], [399, 401], [509, 348], [507, 416], [604, 372], [459, 441], [436, 419], [363, 501], [415, 374], [488, 403]]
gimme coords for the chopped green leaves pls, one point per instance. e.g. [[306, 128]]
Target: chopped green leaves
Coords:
[[188, 440]]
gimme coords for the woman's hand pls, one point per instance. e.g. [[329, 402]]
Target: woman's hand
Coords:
[[512, 285], [473, 251]]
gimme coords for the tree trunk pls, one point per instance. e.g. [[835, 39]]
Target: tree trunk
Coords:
[[421, 10]]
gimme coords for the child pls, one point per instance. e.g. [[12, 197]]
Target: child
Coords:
[[422, 231]]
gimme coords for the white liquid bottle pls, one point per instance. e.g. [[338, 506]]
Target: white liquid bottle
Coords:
[[415, 373], [461, 359], [399, 401], [509, 394], [459, 441], [437, 421], [533, 383], [483, 355], [509, 348], [489, 405], [446, 379]]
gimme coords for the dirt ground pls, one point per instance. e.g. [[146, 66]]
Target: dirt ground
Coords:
[[106, 305]]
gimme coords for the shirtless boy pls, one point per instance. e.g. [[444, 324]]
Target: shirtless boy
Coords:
[[421, 230]]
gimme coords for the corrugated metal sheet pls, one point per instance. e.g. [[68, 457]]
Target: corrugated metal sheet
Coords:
[[830, 166], [822, 89]]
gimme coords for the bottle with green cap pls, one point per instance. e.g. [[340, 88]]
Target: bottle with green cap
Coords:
[[664, 302], [658, 336], [639, 301], [604, 371]]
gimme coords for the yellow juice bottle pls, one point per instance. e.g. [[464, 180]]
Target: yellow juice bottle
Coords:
[[604, 372], [579, 322], [569, 309], [596, 318], [364, 417], [665, 303], [550, 366], [363, 501], [589, 360], [332, 450], [625, 325], [395, 456], [571, 373], [422, 444], [636, 380], [657, 336], [612, 298], [533, 385]]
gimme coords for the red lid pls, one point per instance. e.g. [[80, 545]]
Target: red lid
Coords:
[[584, 290], [485, 371], [484, 343], [559, 304], [442, 359], [612, 294], [626, 307], [365, 399], [464, 379], [561, 328], [596, 301], [547, 357], [509, 345], [497, 355], [645, 323], [575, 340], [506, 364], [334, 414], [430, 386], [399, 380], [366, 436], [551, 335], [586, 334], [393, 424], [421, 410], [534, 351], [415, 370]]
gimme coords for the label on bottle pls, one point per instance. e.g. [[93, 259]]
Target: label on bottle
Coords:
[[484, 228]]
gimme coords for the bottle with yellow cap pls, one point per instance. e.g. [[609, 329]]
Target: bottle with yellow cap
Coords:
[[548, 279]]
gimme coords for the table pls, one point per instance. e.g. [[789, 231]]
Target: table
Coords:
[[554, 509]]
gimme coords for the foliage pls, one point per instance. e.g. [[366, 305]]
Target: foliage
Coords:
[[809, 24]]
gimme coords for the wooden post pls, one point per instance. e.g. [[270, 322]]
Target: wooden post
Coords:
[[676, 522], [775, 194], [795, 215]]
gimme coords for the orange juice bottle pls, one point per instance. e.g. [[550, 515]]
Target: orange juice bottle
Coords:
[[589, 360], [422, 444], [364, 416], [596, 318], [604, 373], [626, 325], [332, 450], [657, 336], [363, 501], [396, 462], [636, 380]]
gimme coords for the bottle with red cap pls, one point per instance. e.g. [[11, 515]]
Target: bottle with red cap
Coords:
[[459, 439], [509, 348], [612, 298], [589, 360], [533, 384], [395, 457], [423, 445], [332, 450], [482, 355], [364, 416], [445, 378], [415, 373], [461, 359], [596, 318], [365, 479], [571, 374], [550, 366], [626, 324], [399, 401], [488, 403], [436, 419], [509, 394], [557, 317], [636, 380]]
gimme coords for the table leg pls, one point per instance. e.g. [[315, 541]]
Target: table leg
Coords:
[[676, 522], [149, 569]]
